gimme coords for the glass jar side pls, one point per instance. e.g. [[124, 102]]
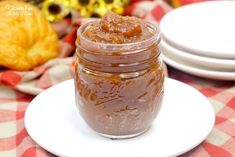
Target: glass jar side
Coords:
[[119, 95]]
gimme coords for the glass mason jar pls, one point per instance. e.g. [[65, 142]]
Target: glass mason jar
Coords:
[[119, 87]]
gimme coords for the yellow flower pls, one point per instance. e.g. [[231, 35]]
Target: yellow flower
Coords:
[[102, 6], [58, 9], [55, 9], [116, 6], [84, 7], [99, 8]]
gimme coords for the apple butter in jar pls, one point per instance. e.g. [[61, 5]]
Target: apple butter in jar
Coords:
[[119, 75]]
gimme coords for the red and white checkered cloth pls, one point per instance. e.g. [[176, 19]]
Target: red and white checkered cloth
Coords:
[[17, 89]]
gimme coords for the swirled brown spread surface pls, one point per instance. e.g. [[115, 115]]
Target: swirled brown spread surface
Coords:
[[116, 29]]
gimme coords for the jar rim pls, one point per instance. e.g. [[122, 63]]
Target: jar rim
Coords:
[[125, 46]]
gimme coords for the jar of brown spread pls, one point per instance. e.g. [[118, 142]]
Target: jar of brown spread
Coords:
[[119, 75]]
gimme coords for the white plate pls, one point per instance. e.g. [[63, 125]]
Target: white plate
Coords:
[[199, 61], [185, 120], [191, 69], [206, 28]]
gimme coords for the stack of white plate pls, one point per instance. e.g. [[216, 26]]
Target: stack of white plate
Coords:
[[200, 39]]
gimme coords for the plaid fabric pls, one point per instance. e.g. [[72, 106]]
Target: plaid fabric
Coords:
[[221, 94], [17, 89]]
